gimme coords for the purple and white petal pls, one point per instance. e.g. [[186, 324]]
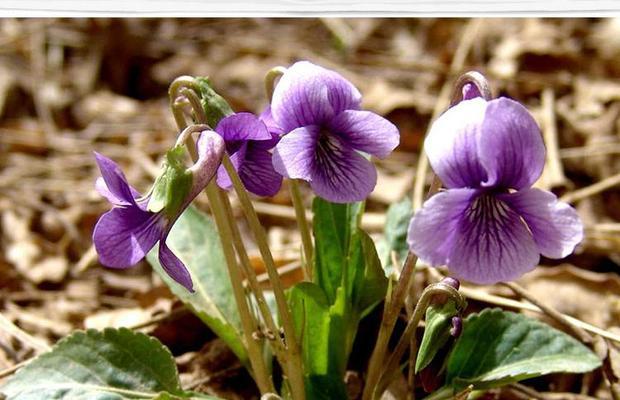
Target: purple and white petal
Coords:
[[555, 225], [241, 127], [173, 266], [311, 95], [124, 235], [210, 148], [114, 186], [103, 190], [511, 147], [236, 159], [294, 156], [270, 123], [341, 174], [366, 131], [452, 145], [433, 229], [257, 173], [492, 243]]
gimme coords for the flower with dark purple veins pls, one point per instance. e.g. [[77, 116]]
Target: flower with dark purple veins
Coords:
[[248, 142], [125, 234], [325, 130], [489, 225]]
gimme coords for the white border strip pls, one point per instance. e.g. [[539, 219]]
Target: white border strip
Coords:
[[225, 8]]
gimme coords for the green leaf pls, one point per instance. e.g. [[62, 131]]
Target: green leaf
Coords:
[[310, 311], [500, 347], [323, 337], [333, 226], [113, 364], [436, 332], [369, 283], [395, 234], [194, 239], [214, 105]]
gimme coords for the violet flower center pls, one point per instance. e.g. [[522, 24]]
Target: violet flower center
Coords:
[[327, 147]]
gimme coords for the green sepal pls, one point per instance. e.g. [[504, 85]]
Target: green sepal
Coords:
[[214, 105], [436, 333], [172, 186]]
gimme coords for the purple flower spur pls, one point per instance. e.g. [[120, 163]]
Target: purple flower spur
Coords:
[[325, 131], [489, 225], [124, 235], [248, 142]]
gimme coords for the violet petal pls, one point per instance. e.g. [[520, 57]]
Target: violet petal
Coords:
[[340, 174], [115, 187], [433, 228], [124, 235], [294, 156], [257, 173], [555, 225], [270, 123], [310, 95], [492, 243], [236, 159], [452, 145], [511, 147], [173, 266], [366, 131], [242, 126]]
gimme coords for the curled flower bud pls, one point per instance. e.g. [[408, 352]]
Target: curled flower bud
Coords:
[[453, 282]]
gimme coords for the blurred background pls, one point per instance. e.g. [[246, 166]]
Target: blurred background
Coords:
[[69, 87]]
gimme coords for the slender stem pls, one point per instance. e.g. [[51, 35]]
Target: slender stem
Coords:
[[188, 88], [294, 355], [304, 228], [407, 336], [413, 354], [194, 100], [174, 91], [270, 80], [186, 134], [472, 77], [391, 310], [249, 324], [273, 332], [261, 374]]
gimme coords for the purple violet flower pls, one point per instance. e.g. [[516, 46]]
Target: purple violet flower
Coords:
[[248, 142], [490, 225], [325, 130], [124, 235]]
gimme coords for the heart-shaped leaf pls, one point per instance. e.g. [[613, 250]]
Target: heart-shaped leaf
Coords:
[[499, 347], [113, 364]]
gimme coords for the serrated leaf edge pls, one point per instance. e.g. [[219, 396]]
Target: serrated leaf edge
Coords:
[[486, 378], [94, 333]]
